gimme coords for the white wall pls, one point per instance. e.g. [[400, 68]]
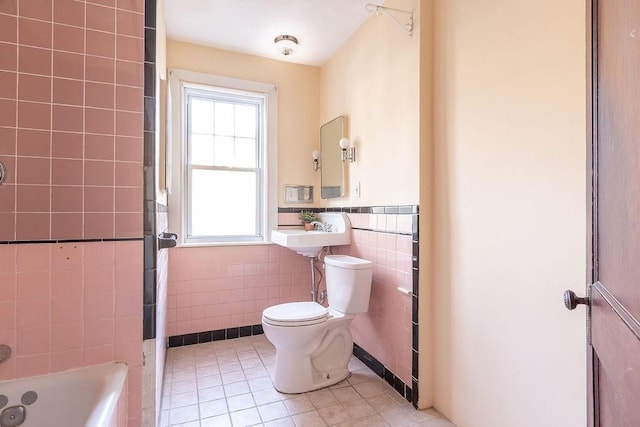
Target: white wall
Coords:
[[510, 212], [374, 80]]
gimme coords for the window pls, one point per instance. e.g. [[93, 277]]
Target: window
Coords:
[[227, 152]]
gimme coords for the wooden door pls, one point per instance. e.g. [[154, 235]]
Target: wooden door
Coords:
[[614, 315]]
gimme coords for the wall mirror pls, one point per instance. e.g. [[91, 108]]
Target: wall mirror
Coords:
[[332, 167]]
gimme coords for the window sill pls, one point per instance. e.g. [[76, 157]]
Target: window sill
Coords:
[[206, 244]]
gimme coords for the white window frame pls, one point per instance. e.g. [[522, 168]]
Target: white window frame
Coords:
[[177, 147]]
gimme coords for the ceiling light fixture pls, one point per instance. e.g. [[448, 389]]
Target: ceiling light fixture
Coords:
[[286, 43]]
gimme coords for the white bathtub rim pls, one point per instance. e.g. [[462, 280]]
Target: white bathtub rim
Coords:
[[106, 382]]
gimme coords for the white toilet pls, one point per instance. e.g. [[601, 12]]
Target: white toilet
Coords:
[[313, 343]]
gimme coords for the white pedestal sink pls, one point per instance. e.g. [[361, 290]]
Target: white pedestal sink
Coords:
[[310, 243]]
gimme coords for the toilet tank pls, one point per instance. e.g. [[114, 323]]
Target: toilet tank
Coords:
[[348, 282]]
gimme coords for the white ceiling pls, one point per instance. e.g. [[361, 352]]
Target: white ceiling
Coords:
[[249, 26]]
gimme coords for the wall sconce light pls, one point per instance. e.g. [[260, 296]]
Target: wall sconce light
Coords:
[[346, 151], [316, 163]]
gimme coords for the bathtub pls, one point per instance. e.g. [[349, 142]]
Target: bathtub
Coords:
[[85, 397]]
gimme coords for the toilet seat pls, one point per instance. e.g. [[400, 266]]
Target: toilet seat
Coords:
[[295, 314]]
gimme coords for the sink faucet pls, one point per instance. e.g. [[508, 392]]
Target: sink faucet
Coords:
[[320, 226]]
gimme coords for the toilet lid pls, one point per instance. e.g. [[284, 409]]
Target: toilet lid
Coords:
[[295, 314]]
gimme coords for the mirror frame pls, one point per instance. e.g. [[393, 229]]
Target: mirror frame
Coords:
[[332, 173]]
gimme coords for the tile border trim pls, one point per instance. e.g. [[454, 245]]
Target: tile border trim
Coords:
[[216, 335], [389, 210], [57, 241], [376, 366]]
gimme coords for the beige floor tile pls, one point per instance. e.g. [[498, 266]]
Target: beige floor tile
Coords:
[[341, 384], [267, 396], [350, 423], [246, 417], [211, 393], [346, 394], [426, 415], [382, 402], [184, 399], [358, 409], [233, 366], [220, 421], [438, 422], [213, 408], [248, 354], [282, 422], [251, 363], [333, 415], [164, 418], [308, 419], [260, 383], [242, 401], [165, 402], [399, 417], [234, 389], [184, 375], [232, 377], [206, 360], [322, 398], [373, 421], [183, 414], [256, 372], [183, 364], [183, 386], [209, 381], [368, 389], [299, 405], [206, 370], [224, 347], [168, 377], [227, 358], [273, 411]]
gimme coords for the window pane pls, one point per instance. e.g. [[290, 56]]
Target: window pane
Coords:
[[201, 152], [223, 203], [245, 153], [224, 151], [246, 121], [201, 116], [224, 118]]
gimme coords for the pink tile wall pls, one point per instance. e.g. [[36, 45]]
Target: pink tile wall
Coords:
[[71, 81], [221, 287], [385, 330], [69, 305]]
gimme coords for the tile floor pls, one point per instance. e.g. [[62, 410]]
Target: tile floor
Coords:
[[228, 383]]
